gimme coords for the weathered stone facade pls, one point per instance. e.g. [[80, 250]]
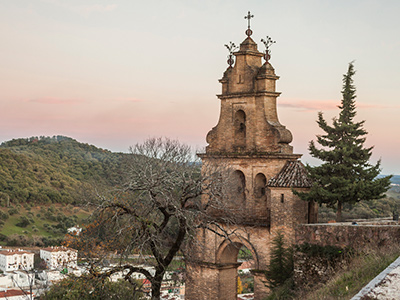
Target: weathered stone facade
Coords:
[[251, 141]]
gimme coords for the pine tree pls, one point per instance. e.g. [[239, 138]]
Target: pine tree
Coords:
[[345, 176]]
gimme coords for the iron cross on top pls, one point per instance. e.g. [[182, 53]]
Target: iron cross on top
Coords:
[[249, 32]]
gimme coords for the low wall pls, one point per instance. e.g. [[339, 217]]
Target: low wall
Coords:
[[347, 235], [313, 269]]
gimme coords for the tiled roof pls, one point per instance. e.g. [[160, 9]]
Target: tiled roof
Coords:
[[12, 293], [57, 249], [13, 252], [293, 174]]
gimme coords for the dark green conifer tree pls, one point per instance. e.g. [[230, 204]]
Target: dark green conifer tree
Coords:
[[280, 267], [345, 175]]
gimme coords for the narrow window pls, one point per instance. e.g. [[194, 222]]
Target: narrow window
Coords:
[[282, 198]]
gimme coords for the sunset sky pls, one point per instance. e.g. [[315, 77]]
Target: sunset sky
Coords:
[[113, 73]]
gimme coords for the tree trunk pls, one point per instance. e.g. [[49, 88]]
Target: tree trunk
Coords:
[[156, 287], [339, 212]]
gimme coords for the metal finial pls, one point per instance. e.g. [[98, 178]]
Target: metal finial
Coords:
[[231, 48], [268, 43], [249, 32]]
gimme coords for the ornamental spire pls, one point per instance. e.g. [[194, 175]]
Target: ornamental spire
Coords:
[[249, 32], [267, 43], [231, 48]]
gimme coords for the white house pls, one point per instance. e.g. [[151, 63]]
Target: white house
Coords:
[[22, 279], [75, 230], [12, 260], [59, 257], [5, 281]]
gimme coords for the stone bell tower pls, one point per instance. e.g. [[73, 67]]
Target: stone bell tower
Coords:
[[250, 140], [249, 122]]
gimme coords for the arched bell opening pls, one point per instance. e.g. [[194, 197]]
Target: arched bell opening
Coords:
[[238, 190], [239, 124], [260, 183], [262, 198]]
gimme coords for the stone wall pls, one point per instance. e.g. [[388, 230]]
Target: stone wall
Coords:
[[310, 269], [347, 235]]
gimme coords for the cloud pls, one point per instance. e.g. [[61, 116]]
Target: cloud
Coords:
[[53, 100], [324, 105]]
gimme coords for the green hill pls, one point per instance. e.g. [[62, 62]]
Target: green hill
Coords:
[[52, 169]]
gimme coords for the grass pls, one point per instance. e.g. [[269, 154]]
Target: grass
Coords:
[[10, 228], [346, 283]]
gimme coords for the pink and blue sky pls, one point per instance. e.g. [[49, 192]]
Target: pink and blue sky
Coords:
[[112, 73]]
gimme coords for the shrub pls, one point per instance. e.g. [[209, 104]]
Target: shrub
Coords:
[[328, 252], [12, 211], [23, 222], [4, 215]]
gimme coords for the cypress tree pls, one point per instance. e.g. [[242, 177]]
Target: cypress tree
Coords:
[[280, 267], [345, 175]]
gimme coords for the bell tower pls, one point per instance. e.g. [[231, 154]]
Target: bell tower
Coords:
[[249, 121], [251, 141]]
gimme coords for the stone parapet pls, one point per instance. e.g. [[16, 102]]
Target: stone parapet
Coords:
[[347, 235]]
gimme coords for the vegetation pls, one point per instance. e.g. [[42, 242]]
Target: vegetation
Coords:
[[345, 176], [280, 267], [52, 170], [157, 208], [38, 225], [279, 272], [328, 252], [349, 281], [90, 288], [380, 208], [356, 271]]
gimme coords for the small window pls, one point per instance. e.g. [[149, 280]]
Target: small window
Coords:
[[282, 198]]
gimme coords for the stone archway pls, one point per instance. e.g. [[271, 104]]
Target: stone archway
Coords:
[[227, 256]]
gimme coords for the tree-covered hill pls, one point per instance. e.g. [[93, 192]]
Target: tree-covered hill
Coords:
[[52, 169]]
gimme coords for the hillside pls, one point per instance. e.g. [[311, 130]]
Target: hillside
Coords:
[[395, 179], [52, 169], [59, 169]]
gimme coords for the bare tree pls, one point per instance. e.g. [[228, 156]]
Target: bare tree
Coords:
[[162, 200]]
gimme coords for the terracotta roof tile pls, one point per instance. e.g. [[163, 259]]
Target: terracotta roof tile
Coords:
[[56, 249], [13, 252], [293, 174], [12, 293]]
